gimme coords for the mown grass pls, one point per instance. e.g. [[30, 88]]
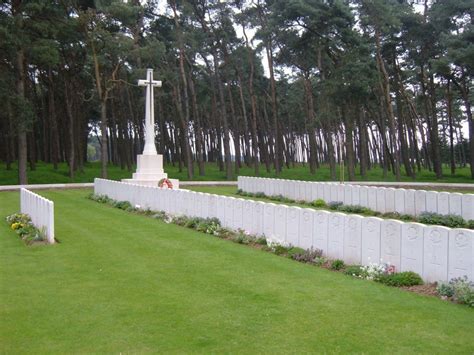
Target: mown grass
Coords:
[[45, 174], [120, 282]]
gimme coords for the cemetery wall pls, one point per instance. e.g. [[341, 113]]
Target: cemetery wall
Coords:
[[436, 253], [40, 210], [381, 199]]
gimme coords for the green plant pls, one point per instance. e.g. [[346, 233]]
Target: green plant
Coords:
[[353, 270], [450, 220], [355, 209], [460, 289], [260, 195], [123, 205], [319, 261], [320, 203], [470, 224], [445, 289], [305, 256], [334, 205], [401, 279], [337, 264], [261, 241]]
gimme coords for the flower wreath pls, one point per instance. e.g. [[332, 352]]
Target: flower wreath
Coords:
[[166, 183]]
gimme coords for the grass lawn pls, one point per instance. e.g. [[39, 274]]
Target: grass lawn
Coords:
[[45, 174], [120, 282]]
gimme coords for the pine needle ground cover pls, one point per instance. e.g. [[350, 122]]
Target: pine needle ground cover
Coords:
[[120, 282], [45, 174]]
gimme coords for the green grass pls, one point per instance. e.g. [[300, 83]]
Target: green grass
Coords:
[[120, 282], [45, 173]]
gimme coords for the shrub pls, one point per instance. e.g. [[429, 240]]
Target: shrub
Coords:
[[260, 195], [450, 220], [22, 225], [319, 261], [401, 279], [123, 205], [337, 264], [460, 289], [334, 205], [239, 191], [355, 209], [305, 256], [295, 251], [192, 222], [261, 241], [354, 270], [470, 224], [320, 203]]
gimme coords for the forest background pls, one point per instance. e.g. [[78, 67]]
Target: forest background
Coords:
[[263, 85]]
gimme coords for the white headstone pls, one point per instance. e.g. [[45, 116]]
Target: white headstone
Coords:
[[435, 264], [363, 196], [306, 228], [432, 201], [353, 239], [212, 206], [336, 235], [390, 242], [455, 203], [257, 220], [308, 194], [280, 222], [420, 202], [410, 202], [340, 193], [390, 199], [347, 195], [400, 201], [292, 225], [320, 230], [314, 191], [371, 230], [443, 203], [248, 216], [381, 199], [412, 247], [238, 222], [372, 198], [229, 212], [327, 192], [269, 220], [220, 209], [461, 254], [468, 206], [355, 190], [334, 192]]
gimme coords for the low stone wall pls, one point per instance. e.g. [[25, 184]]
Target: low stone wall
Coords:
[[40, 210], [436, 253], [381, 199]]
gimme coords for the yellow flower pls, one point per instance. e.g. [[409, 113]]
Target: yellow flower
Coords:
[[15, 225]]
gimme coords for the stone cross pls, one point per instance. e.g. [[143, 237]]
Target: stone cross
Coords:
[[150, 148]]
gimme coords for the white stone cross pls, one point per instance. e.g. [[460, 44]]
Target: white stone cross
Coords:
[[150, 148]]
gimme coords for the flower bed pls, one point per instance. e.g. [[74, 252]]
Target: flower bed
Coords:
[[22, 225]]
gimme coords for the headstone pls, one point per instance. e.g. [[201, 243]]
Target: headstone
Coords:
[[306, 228], [314, 191], [432, 201], [292, 225], [371, 230], [280, 222], [435, 263], [321, 191], [443, 203], [381, 199], [248, 216], [353, 239], [420, 202], [412, 247], [212, 203], [327, 192], [390, 199], [320, 230], [308, 194], [355, 190], [220, 209], [468, 206], [410, 202], [400, 201], [363, 196], [300, 190], [238, 214], [347, 195], [341, 190], [204, 205], [461, 254], [257, 220], [269, 220], [334, 192], [229, 212], [455, 203], [372, 198], [390, 242], [336, 235]]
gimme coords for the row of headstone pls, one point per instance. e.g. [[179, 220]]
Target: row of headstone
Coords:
[[381, 199], [40, 210], [436, 253]]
